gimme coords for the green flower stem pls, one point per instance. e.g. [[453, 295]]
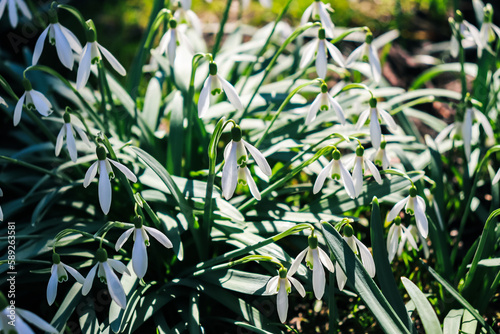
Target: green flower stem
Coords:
[[466, 212], [422, 100], [249, 69], [283, 105], [273, 61], [36, 168], [69, 231], [220, 33], [76, 13]]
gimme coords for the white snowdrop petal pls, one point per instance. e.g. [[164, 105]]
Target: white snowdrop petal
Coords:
[[282, 302], [251, 184], [321, 61], [24, 9], [231, 93], [392, 242], [496, 178], [70, 139], [32, 318], [307, 14], [87, 285], [410, 238], [308, 54], [366, 258], [73, 272], [296, 263], [318, 185], [83, 73], [347, 181], [64, 51], [396, 209], [115, 287], [59, 140], [483, 120], [259, 158], [362, 118], [341, 277], [388, 119], [467, 132], [13, 13], [230, 174], [160, 237], [164, 41], [338, 109], [104, 188], [42, 104], [90, 174], [375, 131], [336, 54], [297, 285], [39, 46], [204, 99], [112, 60], [52, 286], [355, 55], [325, 259], [420, 217], [357, 177], [139, 255], [272, 285], [326, 20], [123, 238], [72, 39], [83, 135], [313, 109], [3, 3], [444, 133], [172, 47], [373, 169], [374, 63], [127, 172], [454, 47], [19, 109], [319, 280], [118, 266]]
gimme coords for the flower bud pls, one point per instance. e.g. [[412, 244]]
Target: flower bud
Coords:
[[67, 117], [348, 230]]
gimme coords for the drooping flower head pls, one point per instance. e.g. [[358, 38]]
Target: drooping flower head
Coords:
[[235, 169], [467, 33], [380, 156], [91, 55], [13, 5], [281, 286], [324, 102], [68, 132], [397, 237], [21, 317], [335, 170], [415, 206], [358, 170], [141, 240], [316, 258], [59, 273], [488, 33], [319, 11], [103, 165], [173, 38], [62, 38], [214, 85], [107, 276], [358, 248], [366, 52], [320, 46], [33, 100], [375, 113]]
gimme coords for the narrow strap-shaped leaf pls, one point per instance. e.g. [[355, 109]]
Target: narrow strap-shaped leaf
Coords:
[[452, 322], [362, 282], [424, 307], [385, 276]]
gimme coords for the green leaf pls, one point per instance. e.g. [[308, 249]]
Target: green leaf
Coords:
[[429, 318], [385, 275], [452, 322], [434, 71], [362, 282]]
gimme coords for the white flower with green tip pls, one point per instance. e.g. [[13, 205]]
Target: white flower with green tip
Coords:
[[488, 33], [33, 100], [397, 237], [375, 113], [335, 170], [468, 33], [358, 171], [68, 131], [415, 206], [62, 38], [173, 38], [141, 240], [21, 317], [366, 52], [358, 248], [103, 165], [324, 102], [320, 46], [319, 11], [316, 258], [235, 168], [380, 156], [104, 268], [281, 286], [214, 85], [13, 5], [91, 55], [59, 273]]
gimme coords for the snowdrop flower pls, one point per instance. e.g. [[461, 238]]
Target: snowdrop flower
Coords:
[[325, 102], [63, 39], [488, 31], [185, 14], [478, 6], [318, 11], [13, 319], [335, 170], [380, 156], [316, 258], [374, 114], [321, 46], [141, 240], [358, 248], [107, 276], [13, 5], [173, 38], [394, 245], [280, 285], [59, 273], [68, 132], [467, 32], [214, 85], [464, 128], [235, 168], [414, 205], [358, 171], [34, 100], [367, 53], [91, 55], [105, 172]]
